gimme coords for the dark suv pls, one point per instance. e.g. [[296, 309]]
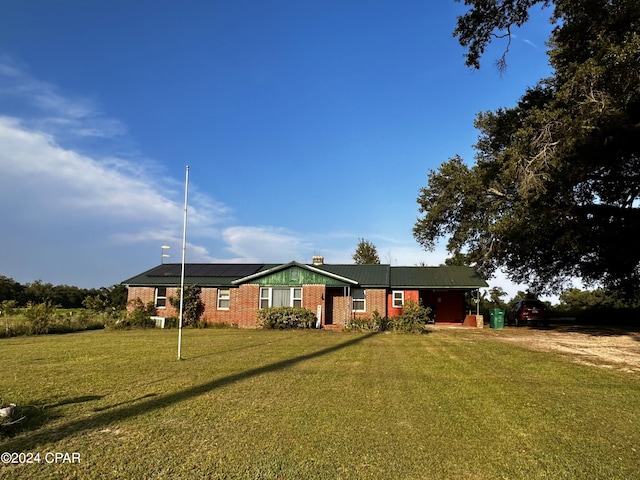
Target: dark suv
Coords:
[[526, 312]]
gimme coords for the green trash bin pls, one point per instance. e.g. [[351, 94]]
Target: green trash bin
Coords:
[[496, 318]]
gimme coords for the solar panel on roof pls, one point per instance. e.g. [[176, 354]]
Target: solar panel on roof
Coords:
[[207, 270]]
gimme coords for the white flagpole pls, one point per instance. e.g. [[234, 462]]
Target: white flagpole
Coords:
[[184, 249]]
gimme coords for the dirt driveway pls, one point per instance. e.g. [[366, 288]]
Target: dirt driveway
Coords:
[[602, 347]]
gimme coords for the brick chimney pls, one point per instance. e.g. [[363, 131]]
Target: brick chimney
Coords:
[[317, 260]]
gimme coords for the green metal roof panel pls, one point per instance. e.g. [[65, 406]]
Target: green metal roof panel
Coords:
[[365, 275], [436, 277]]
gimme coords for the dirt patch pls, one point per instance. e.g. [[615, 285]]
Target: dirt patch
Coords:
[[602, 347]]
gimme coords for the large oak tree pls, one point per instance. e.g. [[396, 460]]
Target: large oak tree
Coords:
[[554, 192]]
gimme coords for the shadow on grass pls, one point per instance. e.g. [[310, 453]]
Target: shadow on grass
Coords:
[[128, 402], [33, 417], [240, 348], [50, 435], [70, 401]]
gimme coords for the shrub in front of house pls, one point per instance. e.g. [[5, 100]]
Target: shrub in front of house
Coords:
[[414, 318], [375, 323], [139, 315], [193, 307], [280, 318]]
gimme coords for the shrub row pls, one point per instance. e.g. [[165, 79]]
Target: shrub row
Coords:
[[414, 319], [280, 318]]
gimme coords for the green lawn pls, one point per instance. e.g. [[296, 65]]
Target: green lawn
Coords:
[[454, 403]]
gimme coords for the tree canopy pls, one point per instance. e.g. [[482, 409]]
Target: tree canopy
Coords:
[[366, 253], [554, 192]]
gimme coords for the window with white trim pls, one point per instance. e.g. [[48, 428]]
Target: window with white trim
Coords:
[[161, 297], [359, 300], [398, 298], [280, 297], [224, 297], [297, 297]]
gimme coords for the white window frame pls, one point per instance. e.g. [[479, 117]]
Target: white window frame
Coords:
[[265, 300], [359, 300], [296, 301], [395, 299], [224, 295], [162, 298], [266, 296]]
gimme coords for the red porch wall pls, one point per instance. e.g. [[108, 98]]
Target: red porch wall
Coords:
[[448, 305], [408, 295]]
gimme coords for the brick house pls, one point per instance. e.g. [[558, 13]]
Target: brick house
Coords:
[[233, 293]]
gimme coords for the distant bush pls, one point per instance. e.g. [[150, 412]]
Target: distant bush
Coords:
[[39, 319], [280, 318], [40, 315]]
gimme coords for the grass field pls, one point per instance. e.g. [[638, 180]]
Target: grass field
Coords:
[[453, 403]]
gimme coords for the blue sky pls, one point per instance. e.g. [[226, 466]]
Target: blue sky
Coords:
[[306, 125]]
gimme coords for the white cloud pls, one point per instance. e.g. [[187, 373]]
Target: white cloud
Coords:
[[58, 178], [265, 244], [44, 108]]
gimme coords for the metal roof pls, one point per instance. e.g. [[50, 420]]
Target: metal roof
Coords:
[[203, 274], [367, 276], [436, 277]]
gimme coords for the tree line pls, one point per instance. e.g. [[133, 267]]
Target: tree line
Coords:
[[64, 296]]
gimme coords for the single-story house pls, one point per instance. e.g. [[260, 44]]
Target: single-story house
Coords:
[[233, 293]]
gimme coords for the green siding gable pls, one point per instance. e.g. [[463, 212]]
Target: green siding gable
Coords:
[[295, 277]]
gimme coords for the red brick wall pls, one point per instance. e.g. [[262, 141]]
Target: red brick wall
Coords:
[[375, 300], [148, 294], [243, 305], [245, 301], [313, 296]]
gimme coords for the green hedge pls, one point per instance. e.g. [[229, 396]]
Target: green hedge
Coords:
[[280, 318]]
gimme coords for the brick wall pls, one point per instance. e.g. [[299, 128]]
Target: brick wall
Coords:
[[148, 294], [376, 299], [243, 305], [313, 296], [245, 301]]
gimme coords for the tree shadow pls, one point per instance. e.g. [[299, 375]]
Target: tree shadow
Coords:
[[239, 348], [108, 407], [122, 412], [70, 401], [33, 417]]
